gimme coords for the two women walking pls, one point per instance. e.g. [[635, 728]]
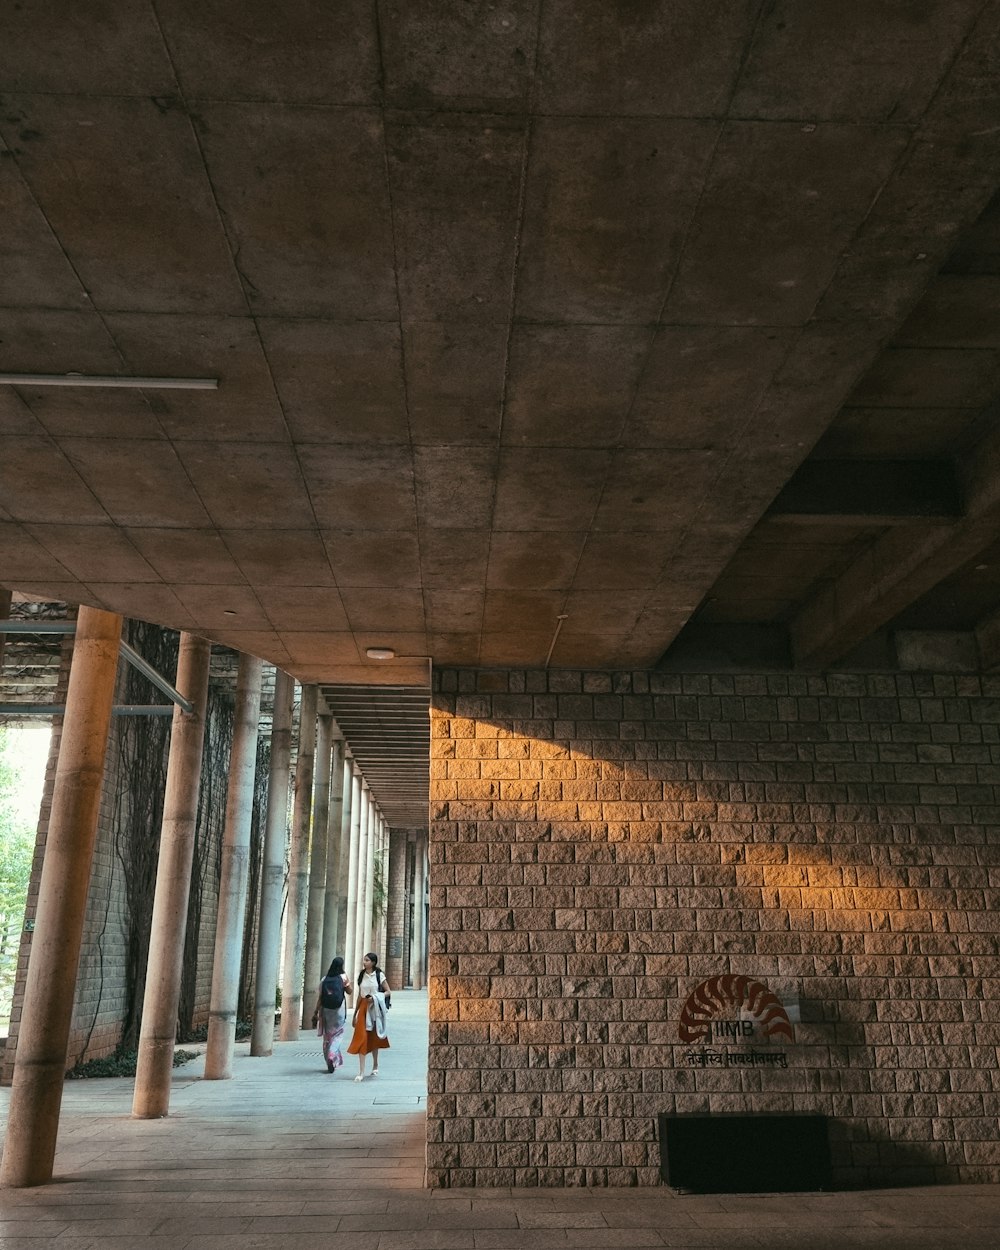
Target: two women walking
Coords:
[[368, 1022]]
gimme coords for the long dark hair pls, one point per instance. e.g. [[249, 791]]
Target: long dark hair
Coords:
[[376, 970], [336, 966]]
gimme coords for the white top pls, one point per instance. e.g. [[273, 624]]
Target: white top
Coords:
[[369, 985]]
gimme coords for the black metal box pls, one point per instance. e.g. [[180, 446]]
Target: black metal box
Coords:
[[744, 1153]]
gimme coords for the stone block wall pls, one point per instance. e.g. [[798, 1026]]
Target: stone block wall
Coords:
[[604, 843]]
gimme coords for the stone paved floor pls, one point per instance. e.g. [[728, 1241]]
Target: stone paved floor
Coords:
[[285, 1154]]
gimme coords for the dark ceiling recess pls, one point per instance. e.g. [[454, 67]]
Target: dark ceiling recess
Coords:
[[387, 729]]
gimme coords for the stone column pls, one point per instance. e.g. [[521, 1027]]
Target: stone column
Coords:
[[369, 911], [383, 920], [272, 882], [235, 872], [351, 943], [362, 936], [298, 871], [39, 1069], [165, 960], [345, 858], [331, 902], [317, 866]]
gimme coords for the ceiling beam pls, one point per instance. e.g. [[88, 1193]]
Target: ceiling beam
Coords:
[[901, 566], [860, 492]]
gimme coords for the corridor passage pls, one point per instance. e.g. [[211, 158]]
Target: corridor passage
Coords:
[[284, 1154]]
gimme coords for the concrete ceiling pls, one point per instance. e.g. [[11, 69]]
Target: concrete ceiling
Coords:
[[581, 330]]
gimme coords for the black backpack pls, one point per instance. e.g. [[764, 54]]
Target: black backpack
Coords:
[[331, 992]]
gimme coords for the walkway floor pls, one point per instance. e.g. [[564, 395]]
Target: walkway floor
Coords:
[[284, 1153]]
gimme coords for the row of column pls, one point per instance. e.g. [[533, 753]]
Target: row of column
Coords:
[[337, 837]]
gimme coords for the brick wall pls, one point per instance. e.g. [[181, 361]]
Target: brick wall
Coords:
[[603, 843]]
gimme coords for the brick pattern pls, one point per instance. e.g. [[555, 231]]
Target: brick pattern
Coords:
[[601, 843]]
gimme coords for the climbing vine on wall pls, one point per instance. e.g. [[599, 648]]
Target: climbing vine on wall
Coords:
[[248, 964], [206, 866], [137, 814]]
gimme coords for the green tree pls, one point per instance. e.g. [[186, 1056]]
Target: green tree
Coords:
[[17, 845]]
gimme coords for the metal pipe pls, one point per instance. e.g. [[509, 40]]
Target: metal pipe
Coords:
[[161, 683], [99, 379]]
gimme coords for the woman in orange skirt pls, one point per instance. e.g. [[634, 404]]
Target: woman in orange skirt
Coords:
[[371, 1004]]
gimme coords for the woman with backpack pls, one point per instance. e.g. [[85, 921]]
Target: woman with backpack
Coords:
[[331, 1007], [370, 1035]]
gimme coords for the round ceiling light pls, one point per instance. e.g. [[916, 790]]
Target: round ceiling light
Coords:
[[380, 653]]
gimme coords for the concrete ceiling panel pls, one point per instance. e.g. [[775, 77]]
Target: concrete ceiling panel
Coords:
[[16, 417], [958, 310], [534, 611], [572, 385], [25, 559], [520, 647], [455, 189], [599, 613], [244, 408], [305, 206], [122, 183], [248, 485], [781, 203], [374, 608], [327, 647], [424, 69], [309, 52], [338, 382], [454, 559], [50, 340], [37, 480], [454, 612], [186, 555], [223, 607], [932, 378], [527, 560], [64, 412], [702, 384], [142, 601], [850, 60], [137, 481], [454, 380], [655, 491], [549, 488], [304, 608], [454, 486], [574, 650], [280, 557], [460, 648], [608, 204], [93, 553], [678, 60], [36, 271], [743, 607], [361, 486], [622, 560], [103, 48], [373, 557]]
